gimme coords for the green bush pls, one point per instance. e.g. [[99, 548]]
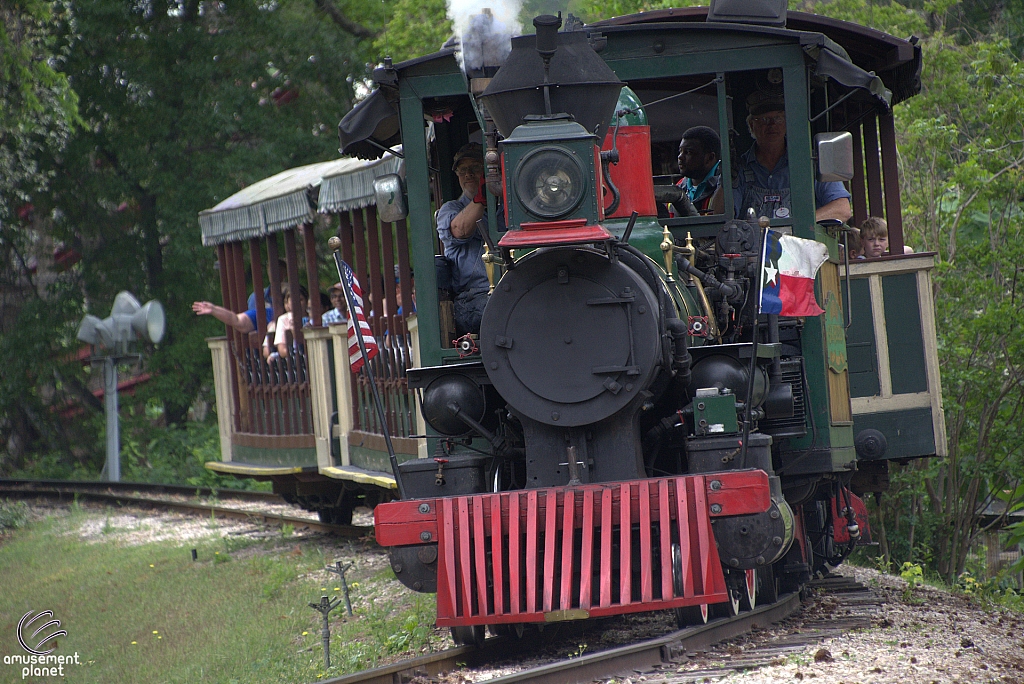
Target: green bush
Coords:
[[13, 514]]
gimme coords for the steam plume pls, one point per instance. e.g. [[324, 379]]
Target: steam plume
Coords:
[[485, 33]]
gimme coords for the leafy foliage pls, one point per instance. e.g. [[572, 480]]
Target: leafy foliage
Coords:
[[960, 199], [39, 109], [415, 28], [182, 105]]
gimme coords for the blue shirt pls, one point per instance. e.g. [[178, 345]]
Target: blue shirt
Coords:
[[251, 304], [333, 317], [777, 179], [700, 194], [468, 271], [705, 188], [251, 313]]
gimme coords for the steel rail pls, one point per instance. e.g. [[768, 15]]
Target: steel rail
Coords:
[[640, 656], [64, 493], [183, 490]]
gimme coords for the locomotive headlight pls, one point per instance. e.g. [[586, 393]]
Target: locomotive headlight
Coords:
[[550, 182]]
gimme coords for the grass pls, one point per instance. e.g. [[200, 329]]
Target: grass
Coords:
[[148, 613]]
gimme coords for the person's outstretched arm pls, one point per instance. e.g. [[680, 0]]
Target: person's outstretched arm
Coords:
[[240, 322]]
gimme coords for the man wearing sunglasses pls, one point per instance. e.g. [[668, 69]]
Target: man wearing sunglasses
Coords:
[[761, 179]]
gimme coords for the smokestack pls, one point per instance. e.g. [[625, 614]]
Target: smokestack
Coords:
[[485, 34], [577, 80]]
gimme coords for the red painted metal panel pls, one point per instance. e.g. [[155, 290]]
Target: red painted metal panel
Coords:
[[446, 587], [742, 492], [480, 554], [665, 536], [497, 562], [632, 175], [572, 231], [646, 580], [531, 551], [568, 515], [404, 534], [685, 537], [606, 548], [587, 549], [625, 544], [465, 563], [550, 525], [466, 569], [703, 540], [514, 575]]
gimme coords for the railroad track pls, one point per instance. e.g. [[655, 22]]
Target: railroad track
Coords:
[[638, 657], [151, 488], [844, 605], [127, 494]]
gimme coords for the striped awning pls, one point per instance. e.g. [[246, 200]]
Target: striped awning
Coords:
[[352, 188], [289, 199]]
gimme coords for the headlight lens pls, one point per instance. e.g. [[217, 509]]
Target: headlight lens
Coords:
[[549, 182]]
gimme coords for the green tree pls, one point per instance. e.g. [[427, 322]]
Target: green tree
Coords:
[[183, 104], [960, 199], [37, 116], [414, 28], [39, 108]]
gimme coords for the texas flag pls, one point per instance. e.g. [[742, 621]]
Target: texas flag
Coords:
[[787, 277]]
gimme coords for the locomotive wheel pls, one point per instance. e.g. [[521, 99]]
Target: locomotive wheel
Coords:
[[767, 586], [687, 616], [691, 616], [748, 599], [735, 582], [513, 631], [468, 635], [730, 608], [341, 515]]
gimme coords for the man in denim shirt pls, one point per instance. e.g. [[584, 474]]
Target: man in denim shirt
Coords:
[[761, 176], [463, 244]]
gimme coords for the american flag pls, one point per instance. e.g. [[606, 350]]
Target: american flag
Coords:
[[355, 358]]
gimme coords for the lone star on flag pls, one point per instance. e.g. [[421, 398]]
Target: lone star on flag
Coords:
[[770, 272]]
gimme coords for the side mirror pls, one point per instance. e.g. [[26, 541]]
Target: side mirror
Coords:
[[389, 197], [835, 156]]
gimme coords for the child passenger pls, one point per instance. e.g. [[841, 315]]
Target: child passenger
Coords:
[[853, 240], [874, 237], [284, 323]]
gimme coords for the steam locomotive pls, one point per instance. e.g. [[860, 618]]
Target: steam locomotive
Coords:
[[627, 433]]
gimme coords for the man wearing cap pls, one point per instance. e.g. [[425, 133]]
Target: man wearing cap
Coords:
[[761, 179], [336, 316], [463, 244]]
